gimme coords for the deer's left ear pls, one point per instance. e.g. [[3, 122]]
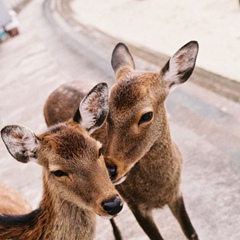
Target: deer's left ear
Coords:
[[93, 108], [121, 57], [180, 66], [21, 143]]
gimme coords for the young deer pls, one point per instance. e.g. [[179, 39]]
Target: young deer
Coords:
[[139, 148], [76, 183]]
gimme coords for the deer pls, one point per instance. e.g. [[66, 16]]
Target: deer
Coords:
[[12, 202], [76, 183], [143, 161]]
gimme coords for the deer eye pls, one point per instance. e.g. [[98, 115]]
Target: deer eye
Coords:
[[100, 151], [145, 117], [59, 173]]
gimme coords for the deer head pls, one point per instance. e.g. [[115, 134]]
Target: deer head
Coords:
[[73, 166], [137, 116]]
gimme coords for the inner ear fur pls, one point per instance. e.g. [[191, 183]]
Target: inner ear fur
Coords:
[[181, 65], [93, 108], [21, 143], [121, 57]]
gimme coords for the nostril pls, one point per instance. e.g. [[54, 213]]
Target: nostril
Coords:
[[112, 206], [112, 170]]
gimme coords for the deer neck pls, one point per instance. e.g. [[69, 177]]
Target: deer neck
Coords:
[[163, 146], [69, 221], [164, 129], [54, 219]]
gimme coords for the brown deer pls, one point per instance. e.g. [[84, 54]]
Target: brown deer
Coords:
[[145, 155], [12, 202], [143, 161], [76, 184]]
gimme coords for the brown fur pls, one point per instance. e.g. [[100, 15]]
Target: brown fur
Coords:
[[63, 103], [145, 152], [70, 96], [12, 202], [71, 201]]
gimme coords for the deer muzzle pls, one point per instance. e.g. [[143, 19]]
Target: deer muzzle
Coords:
[[112, 206]]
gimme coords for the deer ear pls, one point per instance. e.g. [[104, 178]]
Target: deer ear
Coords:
[[121, 57], [93, 108], [21, 143], [180, 67]]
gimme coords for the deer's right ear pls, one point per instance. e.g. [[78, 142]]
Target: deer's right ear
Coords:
[[180, 66], [121, 57], [93, 108], [21, 143]]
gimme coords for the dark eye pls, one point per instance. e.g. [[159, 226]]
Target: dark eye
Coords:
[[112, 170], [59, 173], [146, 117], [100, 151]]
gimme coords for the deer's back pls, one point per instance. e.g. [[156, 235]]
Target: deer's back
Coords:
[[12, 202], [62, 103]]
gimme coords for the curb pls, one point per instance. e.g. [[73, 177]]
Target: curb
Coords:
[[78, 37], [20, 6], [58, 13]]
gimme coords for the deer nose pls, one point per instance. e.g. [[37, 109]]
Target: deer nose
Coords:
[[112, 170], [112, 206]]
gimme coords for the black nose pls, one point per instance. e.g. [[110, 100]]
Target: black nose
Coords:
[[112, 170], [112, 206]]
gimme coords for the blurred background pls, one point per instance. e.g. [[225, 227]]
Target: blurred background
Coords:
[[44, 43]]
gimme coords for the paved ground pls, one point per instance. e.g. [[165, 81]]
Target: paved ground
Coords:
[[163, 25], [205, 125]]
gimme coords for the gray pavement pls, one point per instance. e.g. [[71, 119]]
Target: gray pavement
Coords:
[[51, 50], [161, 25]]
